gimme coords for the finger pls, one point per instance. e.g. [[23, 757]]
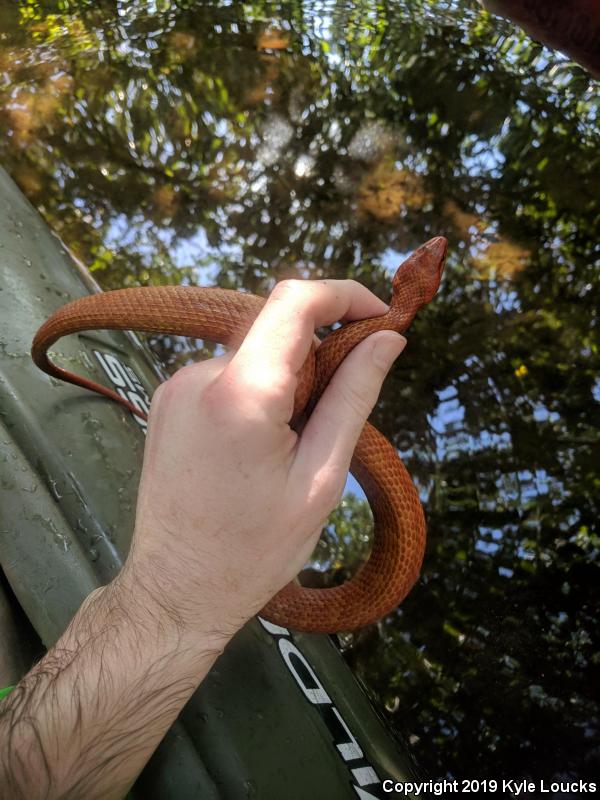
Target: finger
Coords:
[[266, 364], [330, 435]]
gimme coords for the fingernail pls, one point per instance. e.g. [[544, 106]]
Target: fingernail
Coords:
[[387, 347]]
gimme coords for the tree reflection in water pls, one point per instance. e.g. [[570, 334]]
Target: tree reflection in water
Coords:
[[239, 144]]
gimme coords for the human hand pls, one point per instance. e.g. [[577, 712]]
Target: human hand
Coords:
[[231, 500]]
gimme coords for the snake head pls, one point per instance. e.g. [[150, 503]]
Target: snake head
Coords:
[[418, 278]]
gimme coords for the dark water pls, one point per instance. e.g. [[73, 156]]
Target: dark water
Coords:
[[238, 144]]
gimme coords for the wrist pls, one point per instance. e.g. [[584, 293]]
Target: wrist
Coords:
[[157, 606]]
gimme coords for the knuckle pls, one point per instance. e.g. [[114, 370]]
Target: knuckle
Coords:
[[354, 286], [186, 382], [277, 390], [289, 286], [217, 402], [261, 388], [182, 380], [356, 399], [291, 291], [328, 488], [235, 406]]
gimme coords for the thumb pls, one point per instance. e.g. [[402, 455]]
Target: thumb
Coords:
[[330, 435]]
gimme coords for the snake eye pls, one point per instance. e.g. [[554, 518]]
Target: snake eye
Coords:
[[437, 248]]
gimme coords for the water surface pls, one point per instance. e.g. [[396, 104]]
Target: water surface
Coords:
[[240, 143]]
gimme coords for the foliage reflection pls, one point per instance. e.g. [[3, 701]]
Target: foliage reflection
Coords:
[[239, 144]]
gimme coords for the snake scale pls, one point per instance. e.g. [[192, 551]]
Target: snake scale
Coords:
[[225, 316]]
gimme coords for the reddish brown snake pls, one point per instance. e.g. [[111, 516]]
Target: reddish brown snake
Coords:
[[224, 316]]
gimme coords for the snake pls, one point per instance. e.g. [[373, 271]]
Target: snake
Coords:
[[225, 316]]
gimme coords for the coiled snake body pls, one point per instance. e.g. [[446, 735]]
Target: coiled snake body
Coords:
[[225, 316]]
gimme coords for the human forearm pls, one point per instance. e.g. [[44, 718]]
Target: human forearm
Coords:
[[86, 719]]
